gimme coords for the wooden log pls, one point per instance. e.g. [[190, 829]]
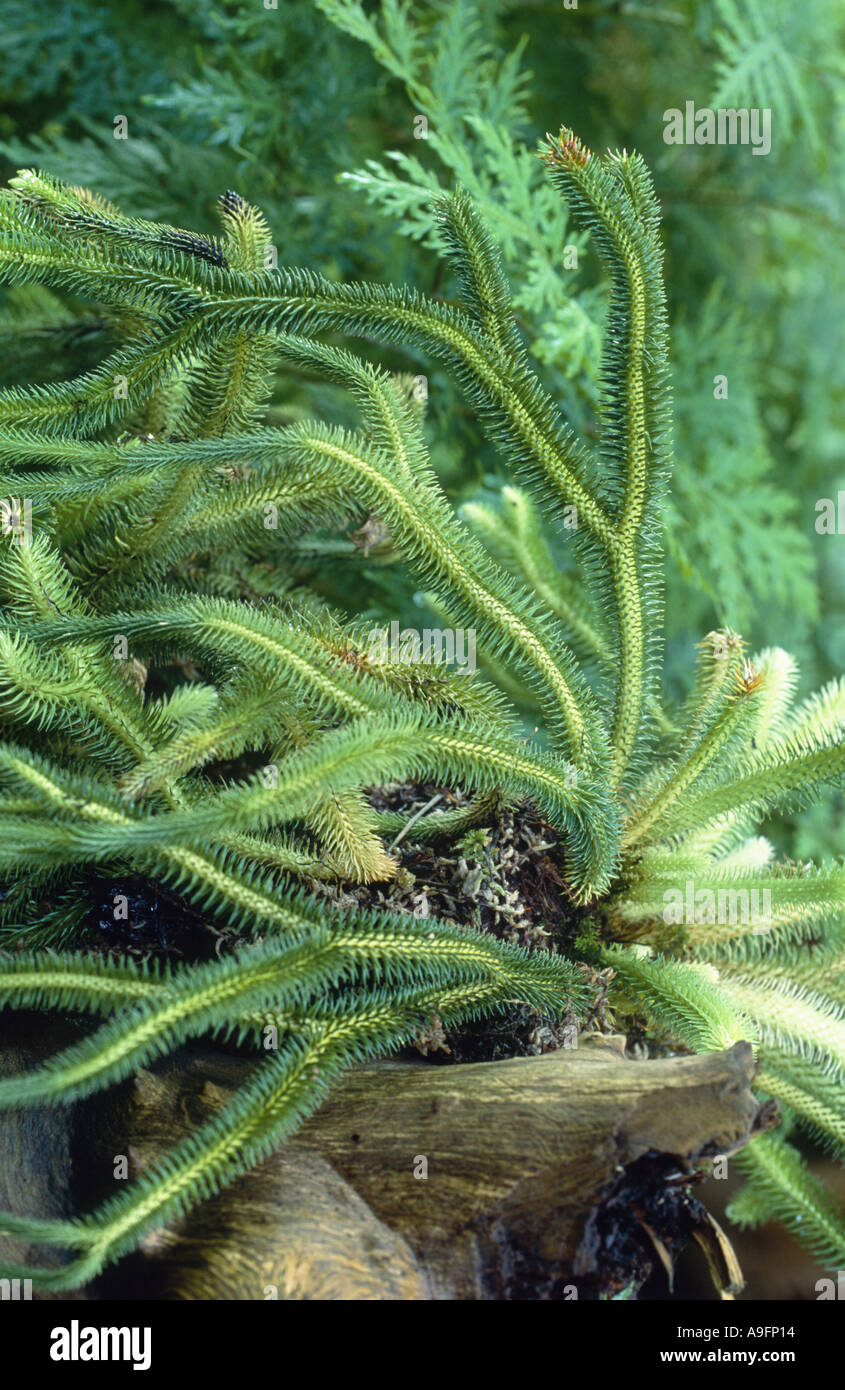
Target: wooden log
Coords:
[[36, 1144], [556, 1176]]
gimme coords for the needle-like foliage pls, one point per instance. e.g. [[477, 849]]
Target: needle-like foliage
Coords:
[[143, 478]]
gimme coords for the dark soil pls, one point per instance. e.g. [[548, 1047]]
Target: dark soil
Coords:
[[504, 876], [158, 922], [619, 1255]]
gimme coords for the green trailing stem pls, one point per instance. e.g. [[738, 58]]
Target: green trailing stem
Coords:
[[166, 508]]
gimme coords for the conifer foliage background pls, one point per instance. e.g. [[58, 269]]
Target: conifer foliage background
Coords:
[[289, 101], [314, 113]]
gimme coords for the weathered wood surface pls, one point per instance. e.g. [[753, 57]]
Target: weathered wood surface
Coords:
[[520, 1157], [36, 1145]]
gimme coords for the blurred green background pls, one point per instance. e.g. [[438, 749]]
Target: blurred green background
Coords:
[[313, 110]]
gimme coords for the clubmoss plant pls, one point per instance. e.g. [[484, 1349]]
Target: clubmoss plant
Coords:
[[150, 481]]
